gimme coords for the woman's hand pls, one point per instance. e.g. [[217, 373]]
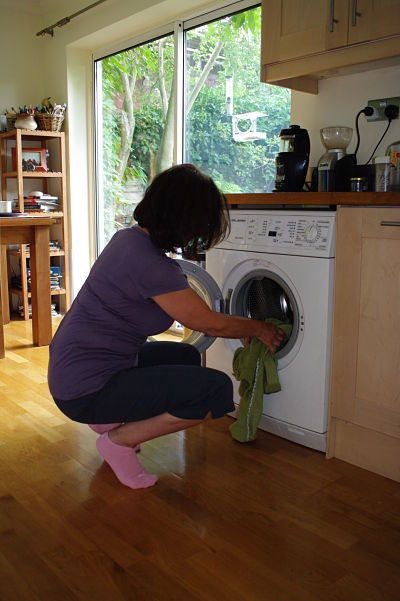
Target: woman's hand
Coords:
[[271, 336]]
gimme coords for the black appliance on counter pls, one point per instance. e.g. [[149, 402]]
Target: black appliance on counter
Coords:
[[292, 159], [344, 171]]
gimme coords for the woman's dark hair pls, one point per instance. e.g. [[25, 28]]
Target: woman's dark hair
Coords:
[[183, 208]]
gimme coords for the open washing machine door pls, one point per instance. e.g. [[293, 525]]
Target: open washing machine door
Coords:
[[208, 290], [259, 289]]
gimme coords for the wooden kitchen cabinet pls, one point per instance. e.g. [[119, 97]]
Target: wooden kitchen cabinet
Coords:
[[364, 416], [293, 28], [373, 19], [304, 40]]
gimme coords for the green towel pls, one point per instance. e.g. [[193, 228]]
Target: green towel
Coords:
[[256, 369]]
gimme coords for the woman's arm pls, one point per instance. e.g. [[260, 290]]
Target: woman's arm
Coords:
[[191, 311]]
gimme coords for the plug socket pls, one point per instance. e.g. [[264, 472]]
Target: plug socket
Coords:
[[392, 111], [380, 105]]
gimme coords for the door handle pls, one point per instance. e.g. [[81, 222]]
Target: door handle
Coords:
[[355, 14], [391, 223], [332, 19]]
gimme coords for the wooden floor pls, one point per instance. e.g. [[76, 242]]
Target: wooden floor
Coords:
[[226, 522]]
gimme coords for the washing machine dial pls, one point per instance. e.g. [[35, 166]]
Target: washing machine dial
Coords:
[[312, 232]]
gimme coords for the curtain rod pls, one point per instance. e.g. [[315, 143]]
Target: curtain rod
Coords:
[[50, 29]]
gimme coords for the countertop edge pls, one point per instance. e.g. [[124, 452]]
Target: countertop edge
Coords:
[[316, 198]]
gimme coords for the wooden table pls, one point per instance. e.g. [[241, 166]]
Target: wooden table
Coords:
[[35, 231]]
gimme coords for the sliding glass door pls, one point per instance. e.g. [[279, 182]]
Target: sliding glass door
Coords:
[[232, 120], [206, 74], [134, 128]]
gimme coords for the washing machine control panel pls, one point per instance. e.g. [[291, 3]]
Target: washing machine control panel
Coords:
[[292, 233]]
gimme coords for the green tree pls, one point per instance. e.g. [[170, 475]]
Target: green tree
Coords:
[[138, 91], [235, 166]]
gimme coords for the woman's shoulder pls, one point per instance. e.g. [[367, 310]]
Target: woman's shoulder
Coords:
[[131, 237]]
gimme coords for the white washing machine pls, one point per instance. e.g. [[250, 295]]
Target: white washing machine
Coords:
[[280, 264], [276, 263]]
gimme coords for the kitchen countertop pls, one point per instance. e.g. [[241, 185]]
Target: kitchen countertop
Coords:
[[362, 199]]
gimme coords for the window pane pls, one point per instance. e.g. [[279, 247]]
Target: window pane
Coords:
[[232, 120], [135, 128]]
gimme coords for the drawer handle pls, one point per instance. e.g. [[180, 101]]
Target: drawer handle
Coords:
[[391, 223], [355, 14], [332, 19]]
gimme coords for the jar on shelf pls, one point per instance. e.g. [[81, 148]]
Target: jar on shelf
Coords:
[[393, 151], [383, 167], [358, 184]]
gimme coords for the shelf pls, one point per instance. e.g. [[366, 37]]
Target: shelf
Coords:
[[32, 174], [12, 175], [37, 133], [54, 292], [44, 214], [58, 291], [53, 253]]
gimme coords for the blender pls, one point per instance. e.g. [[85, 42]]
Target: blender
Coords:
[[335, 139]]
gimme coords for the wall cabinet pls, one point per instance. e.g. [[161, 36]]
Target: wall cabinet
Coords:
[[14, 146], [364, 423], [304, 40]]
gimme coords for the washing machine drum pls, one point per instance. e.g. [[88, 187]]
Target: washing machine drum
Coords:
[[266, 298], [265, 295]]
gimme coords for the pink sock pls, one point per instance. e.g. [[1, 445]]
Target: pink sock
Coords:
[[101, 428], [124, 463]]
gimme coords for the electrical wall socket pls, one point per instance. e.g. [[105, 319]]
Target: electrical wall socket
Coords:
[[379, 106]]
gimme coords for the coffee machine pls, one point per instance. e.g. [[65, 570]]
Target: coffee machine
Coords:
[[335, 163], [292, 159]]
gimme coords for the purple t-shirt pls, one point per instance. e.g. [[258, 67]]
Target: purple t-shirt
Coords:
[[113, 315]]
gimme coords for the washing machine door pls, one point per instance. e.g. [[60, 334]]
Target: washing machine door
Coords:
[[259, 289], [207, 288]]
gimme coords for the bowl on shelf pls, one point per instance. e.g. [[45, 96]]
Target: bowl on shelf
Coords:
[[336, 137]]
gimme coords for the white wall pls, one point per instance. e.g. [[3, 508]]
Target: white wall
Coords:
[[338, 102], [21, 66]]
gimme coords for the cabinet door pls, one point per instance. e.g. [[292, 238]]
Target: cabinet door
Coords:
[[296, 28], [366, 351], [373, 19]]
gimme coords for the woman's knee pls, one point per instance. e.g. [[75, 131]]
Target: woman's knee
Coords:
[[190, 354], [222, 384], [227, 386]]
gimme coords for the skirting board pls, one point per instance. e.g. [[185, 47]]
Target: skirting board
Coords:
[[371, 450]]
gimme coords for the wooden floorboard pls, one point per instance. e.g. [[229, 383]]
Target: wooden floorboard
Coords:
[[267, 521]]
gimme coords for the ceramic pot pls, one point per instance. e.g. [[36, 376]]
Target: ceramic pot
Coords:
[[25, 121]]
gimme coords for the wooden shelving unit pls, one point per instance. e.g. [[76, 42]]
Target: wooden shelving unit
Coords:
[[55, 143]]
